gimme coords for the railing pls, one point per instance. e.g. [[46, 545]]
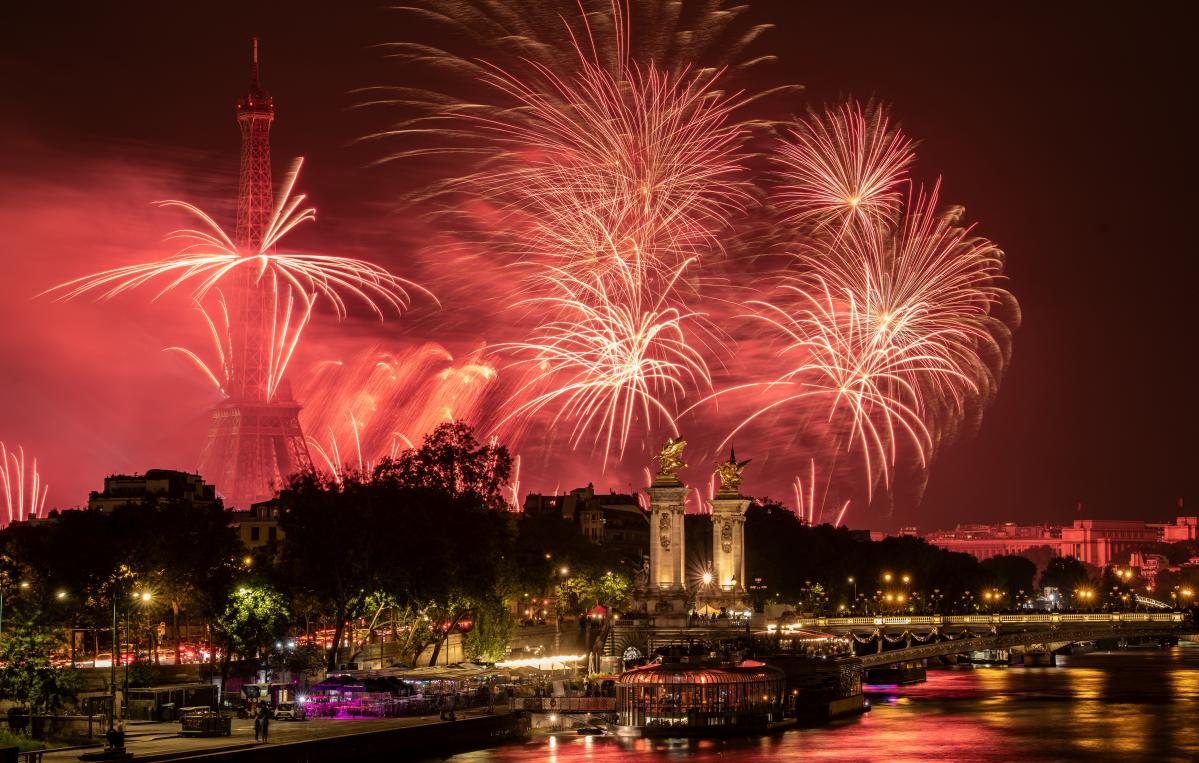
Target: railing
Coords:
[[564, 704], [1005, 619]]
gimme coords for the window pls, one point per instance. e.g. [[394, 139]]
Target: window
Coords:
[[254, 533], [271, 532]]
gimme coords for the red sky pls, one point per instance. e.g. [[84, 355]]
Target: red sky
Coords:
[[1066, 133]]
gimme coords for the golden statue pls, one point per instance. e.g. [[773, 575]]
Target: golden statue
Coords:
[[730, 473], [670, 459]]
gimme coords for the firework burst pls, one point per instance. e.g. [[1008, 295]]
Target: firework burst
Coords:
[[611, 355], [929, 285], [842, 167], [869, 387]]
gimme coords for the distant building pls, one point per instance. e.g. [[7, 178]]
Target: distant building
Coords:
[[615, 520], [1184, 528], [1098, 542], [156, 485]]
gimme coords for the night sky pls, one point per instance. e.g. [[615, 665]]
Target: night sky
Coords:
[[1064, 129]]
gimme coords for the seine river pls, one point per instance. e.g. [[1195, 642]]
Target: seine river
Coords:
[[1103, 706]]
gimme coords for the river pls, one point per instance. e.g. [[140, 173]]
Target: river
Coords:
[[1104, 706]]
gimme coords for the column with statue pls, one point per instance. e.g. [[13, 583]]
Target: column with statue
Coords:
[[666, 584], [728, 536]]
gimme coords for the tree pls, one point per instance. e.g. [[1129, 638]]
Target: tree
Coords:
[[584, 591], [492, 629], [1067, 575], [451, 461], [254, 618], [1011, 573], [27, 674], [338, 542]]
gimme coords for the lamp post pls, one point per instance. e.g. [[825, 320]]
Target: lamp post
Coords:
[[112, 677]]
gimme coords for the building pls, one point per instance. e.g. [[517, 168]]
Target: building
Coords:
[[156, 485], [1097, 542], [259, 526], [615, 520]]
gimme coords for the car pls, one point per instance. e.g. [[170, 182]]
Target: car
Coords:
[[289, 711]]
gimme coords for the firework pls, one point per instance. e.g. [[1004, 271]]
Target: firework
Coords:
[[376, 403], [291, 281], [928, 285], [810, 504], [593, 167], [24, 491], [842, 167], [866, 386], [665, 34], [611, 355]]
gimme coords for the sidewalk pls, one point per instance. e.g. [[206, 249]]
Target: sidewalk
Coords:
[[161, 741]]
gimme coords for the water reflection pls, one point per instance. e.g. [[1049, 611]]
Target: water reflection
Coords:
[[1133, 705]]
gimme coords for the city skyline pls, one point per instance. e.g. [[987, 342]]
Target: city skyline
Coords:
[[1022, 464]]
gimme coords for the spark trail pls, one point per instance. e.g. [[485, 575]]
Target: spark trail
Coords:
[[24, 491]]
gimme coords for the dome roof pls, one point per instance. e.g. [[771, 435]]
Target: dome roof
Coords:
[[748, 671]]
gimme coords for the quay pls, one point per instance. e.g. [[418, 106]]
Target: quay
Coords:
[[320, 740]]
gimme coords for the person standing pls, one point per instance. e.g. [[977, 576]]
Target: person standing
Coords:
[[257, 727], [266, 723]]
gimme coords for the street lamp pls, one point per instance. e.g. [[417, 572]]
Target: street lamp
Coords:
[[854, 582]]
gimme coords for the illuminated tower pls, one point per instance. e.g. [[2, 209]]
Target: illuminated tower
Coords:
[[254, 441]]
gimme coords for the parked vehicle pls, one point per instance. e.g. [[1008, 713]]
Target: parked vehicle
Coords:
[[289, 711]]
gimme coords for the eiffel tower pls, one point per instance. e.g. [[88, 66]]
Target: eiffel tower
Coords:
[[254, 438]]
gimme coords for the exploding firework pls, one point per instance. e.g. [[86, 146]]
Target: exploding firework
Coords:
[[837, 361], [613, 354], [929, 285], [842, 167], [291, 280], [24, 491], [589, 167]]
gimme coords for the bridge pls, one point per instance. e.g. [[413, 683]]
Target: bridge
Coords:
[[891, 639]]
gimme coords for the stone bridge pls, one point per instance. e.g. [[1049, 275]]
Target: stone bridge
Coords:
[[892, 639]]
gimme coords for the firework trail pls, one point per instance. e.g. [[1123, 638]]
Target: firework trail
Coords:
[[670, 35], [842, 167], [24, 491], [377, 403], [812, 505], [209, 258]]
